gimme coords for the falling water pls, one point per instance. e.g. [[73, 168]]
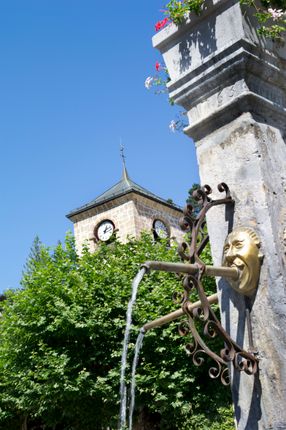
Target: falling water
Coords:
[[136, 281], [138, 347]]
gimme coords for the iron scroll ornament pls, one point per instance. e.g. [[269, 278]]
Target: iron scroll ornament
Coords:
[[195, 224]]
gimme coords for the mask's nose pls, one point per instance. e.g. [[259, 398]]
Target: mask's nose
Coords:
[[229, 255]]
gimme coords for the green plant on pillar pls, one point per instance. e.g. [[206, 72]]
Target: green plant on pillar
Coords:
[[178, 10], [270, 15]]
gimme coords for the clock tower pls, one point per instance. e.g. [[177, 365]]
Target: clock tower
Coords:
[[126, 209]]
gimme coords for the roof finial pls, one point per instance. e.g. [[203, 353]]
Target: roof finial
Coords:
[[125, 174], [122, 154]]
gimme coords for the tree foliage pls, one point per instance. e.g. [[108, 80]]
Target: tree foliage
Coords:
[[61, 342], [191, 200]]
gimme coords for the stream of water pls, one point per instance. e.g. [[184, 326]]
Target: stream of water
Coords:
[[123, 392], [138, 347]]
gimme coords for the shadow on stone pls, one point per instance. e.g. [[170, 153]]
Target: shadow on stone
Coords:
[[205, 41]]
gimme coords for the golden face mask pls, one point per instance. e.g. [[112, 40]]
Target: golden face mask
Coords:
[[242, 250]]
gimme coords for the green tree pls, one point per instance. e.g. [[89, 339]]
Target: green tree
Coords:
[[34, 256], [191, 200], [61, 342]]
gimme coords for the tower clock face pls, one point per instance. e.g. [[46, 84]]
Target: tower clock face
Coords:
[[160, 229], [105, 230]]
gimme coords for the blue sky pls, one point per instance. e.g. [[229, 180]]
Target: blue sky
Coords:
[[72, 84]]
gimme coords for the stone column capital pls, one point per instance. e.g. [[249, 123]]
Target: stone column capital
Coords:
[[220, 68]]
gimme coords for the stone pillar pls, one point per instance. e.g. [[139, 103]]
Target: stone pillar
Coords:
[[232, 85]]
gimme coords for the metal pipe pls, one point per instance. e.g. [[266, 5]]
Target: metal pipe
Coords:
[[226, 272], [176, 314]]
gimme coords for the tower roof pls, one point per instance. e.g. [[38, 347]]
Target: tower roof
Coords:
[[121, 188]]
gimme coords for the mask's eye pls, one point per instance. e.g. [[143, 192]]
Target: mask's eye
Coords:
[[226, 248], [238, 244]]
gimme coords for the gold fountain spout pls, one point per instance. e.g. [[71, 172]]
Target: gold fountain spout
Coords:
[[192, 269]]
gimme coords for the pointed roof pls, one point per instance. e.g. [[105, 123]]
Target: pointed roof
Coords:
[[124, 186]]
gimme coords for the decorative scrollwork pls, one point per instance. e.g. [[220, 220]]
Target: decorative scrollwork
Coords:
[[189, 283], [244, 362], [193, 223], [186, 223], [183, 251], [191, 347], [225, 377], [222, 187], [198, 313], [178, 297], [198, 360], [214, 372], [228, 353], [184, 328], [210, 329]]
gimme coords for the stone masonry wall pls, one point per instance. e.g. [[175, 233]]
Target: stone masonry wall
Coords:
[[131, 214], [148, 210], [122, 215]]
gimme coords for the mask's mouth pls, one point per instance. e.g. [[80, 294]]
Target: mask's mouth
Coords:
[[242, 267], [239, 263]]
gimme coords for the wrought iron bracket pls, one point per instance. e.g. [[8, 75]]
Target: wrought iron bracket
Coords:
[[193, 270]]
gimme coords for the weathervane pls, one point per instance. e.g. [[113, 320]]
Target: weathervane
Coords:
[[122, 155]]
